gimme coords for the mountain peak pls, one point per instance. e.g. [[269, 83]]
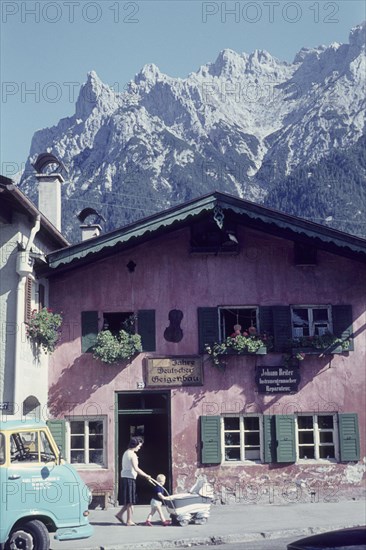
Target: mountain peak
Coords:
[[149, 73], [357, 35], [227, 62], [94, 92]]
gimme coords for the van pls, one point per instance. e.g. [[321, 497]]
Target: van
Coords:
[[39, 492]]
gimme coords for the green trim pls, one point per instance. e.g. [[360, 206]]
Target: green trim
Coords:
[[146, 329], [210, 439], [58, 431], [342, 323], [282, 331], [176, 216], [285, 435], [349, 437], [141, 411], [269, 438], [208, 327], [89, 330]]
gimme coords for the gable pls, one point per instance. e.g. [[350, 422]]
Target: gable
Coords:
[[225, 211]]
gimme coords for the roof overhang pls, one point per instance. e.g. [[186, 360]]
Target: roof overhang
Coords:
[[246, 212]]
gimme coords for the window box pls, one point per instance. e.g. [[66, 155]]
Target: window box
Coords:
[[326, 344], [239, 345], [313, 351], [260, 351]]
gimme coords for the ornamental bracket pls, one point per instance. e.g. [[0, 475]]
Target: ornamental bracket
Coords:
[[219, 216]]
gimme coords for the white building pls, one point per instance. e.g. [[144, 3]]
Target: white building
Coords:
[[26, 236]]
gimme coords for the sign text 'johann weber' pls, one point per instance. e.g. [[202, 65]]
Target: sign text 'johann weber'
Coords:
[[174, 371], [277, 379]]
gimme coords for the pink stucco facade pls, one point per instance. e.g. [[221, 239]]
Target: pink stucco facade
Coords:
[[168, 277]]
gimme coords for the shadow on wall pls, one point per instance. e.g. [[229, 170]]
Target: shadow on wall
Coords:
[[215, 398], [78, 382]]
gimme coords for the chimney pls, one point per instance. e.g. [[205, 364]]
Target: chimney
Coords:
[[93, 228], [49, 197], [90, 231], [49, 187]]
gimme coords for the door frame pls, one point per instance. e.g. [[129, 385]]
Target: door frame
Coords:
[[125, 412]]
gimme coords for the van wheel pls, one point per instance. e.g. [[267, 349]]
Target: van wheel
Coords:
[[32, 535]]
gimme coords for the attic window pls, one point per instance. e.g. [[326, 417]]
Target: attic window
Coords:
[[305, 254], [208, 238]]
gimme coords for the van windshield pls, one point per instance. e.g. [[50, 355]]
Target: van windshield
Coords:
[[30, 446]]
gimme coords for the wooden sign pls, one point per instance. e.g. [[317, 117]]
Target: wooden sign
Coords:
[[277, 379], [174, 371]]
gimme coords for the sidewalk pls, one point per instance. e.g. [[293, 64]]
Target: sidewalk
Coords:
[[227, 523]]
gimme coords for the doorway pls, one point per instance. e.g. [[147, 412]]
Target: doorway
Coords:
[[145, 414]]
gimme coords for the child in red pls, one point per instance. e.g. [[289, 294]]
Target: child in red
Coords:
[[157, 502]]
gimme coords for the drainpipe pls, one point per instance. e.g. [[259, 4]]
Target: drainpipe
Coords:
[[24, 267]]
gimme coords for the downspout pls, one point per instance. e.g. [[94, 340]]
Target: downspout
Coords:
[[24, 267]]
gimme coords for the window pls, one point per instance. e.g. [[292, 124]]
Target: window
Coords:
[[280, 438], [87, 442], [208, 238], [316, 437], [310, 320], [116, 321], [31, 446], [90, 327], [242, 438], [304, 254], [246, 317]]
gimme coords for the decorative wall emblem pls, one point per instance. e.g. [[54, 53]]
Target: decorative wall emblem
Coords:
[[174, 333]]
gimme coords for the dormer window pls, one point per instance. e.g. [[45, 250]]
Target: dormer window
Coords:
[[305, 254], [208, 238]]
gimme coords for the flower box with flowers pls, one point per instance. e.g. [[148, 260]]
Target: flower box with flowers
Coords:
[[43, 328], [325, 344], [246, 343], [110, 348]]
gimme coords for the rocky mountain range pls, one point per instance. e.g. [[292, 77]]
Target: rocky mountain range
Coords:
[[247, 124]]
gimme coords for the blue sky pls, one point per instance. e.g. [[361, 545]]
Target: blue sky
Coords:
[[49, 46]]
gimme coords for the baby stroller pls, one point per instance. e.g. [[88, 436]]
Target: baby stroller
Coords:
[[192, 507]]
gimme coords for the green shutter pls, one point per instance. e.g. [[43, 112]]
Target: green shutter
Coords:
[[349, 437], [269, 439], [282, 331], [285, 436], [342, 323], [266, 320], [208, 327], [146, 328], [210, 440], [89, 330], [57, 429]]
